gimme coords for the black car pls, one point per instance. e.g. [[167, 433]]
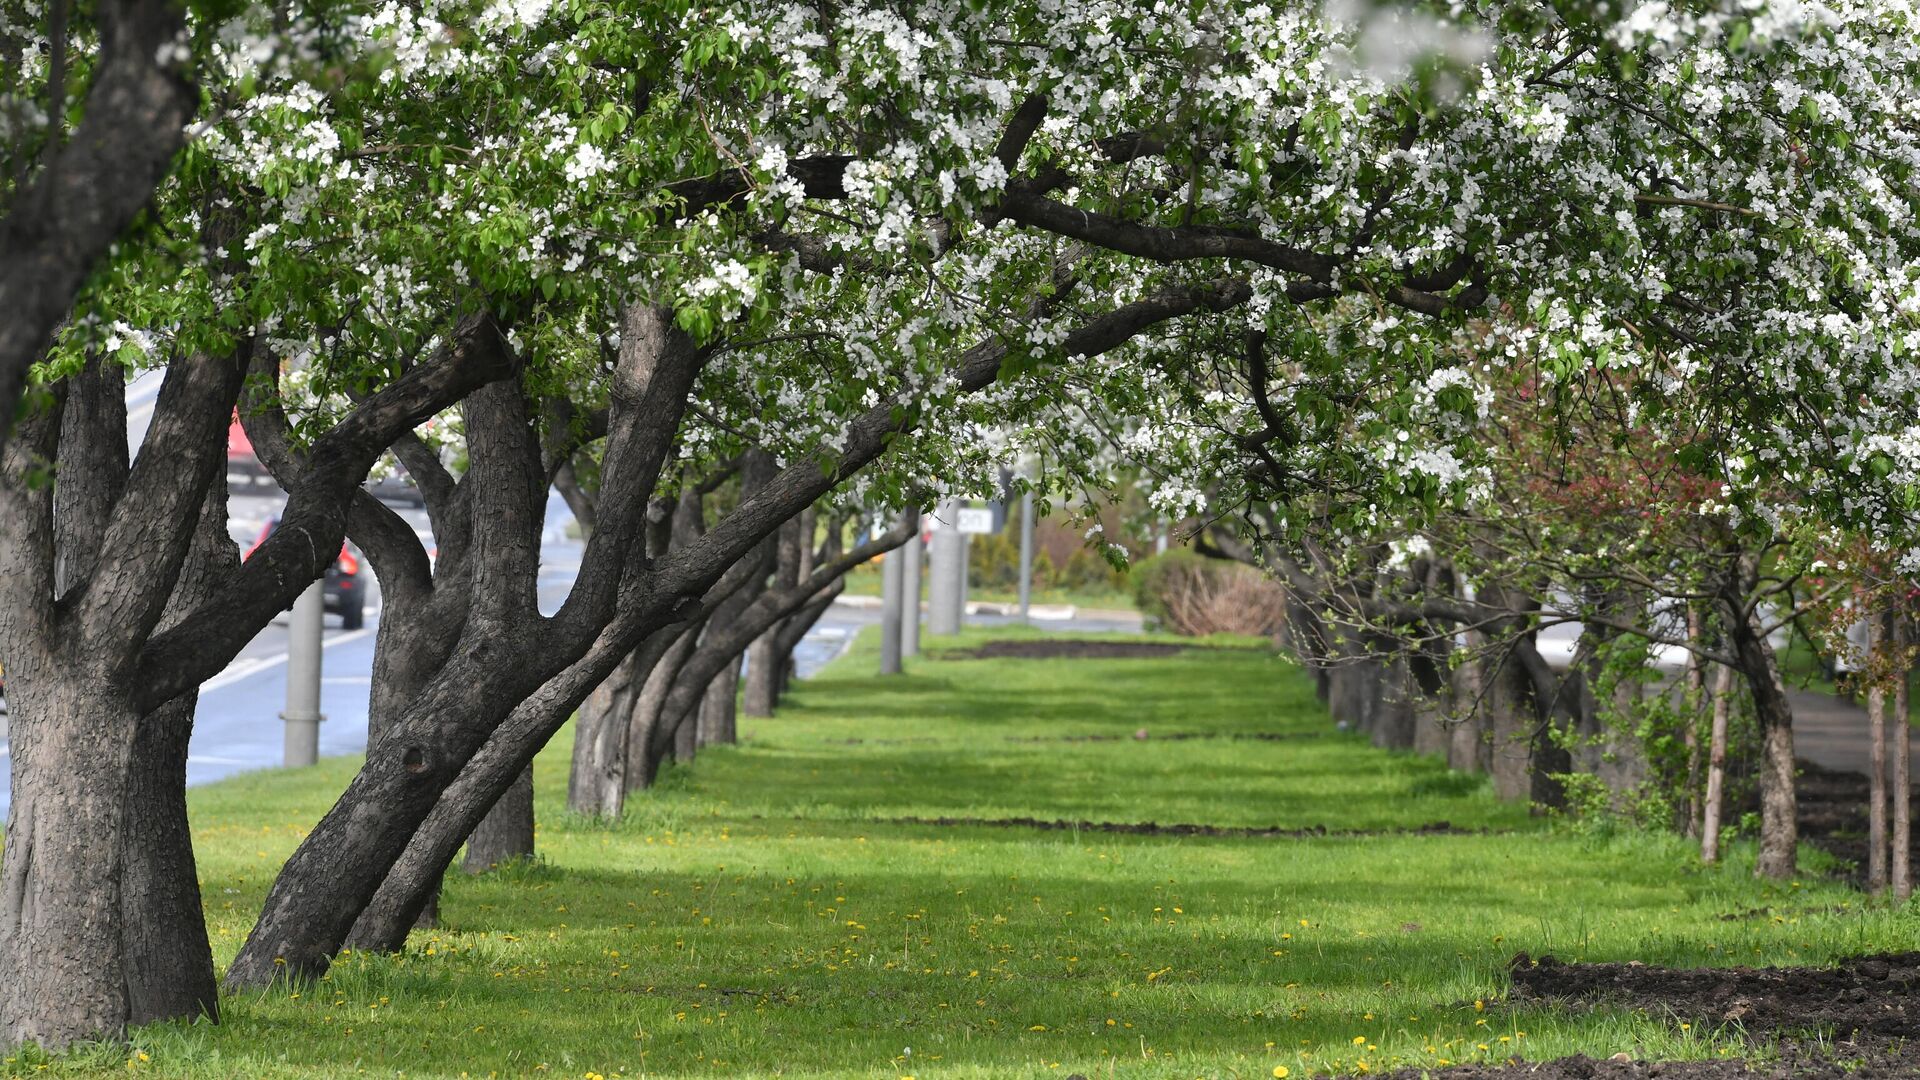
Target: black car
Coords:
[[344, 590]]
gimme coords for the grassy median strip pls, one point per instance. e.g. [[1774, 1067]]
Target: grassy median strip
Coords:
[[852, 891]]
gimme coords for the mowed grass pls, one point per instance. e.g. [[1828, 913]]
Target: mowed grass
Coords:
[[765, 913]]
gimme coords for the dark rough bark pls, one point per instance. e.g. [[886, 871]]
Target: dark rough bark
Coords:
[[63, 968], [73, 960], [164, 927], [686, 731], [1779, 823], [68, 216], [505, 835], [1713, 801]]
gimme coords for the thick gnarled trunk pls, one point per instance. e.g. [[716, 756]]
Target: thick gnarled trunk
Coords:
[[63, 957], [163, 926]]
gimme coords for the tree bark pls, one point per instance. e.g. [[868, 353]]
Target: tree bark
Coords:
[[505, 835], [92, 934], [1901, 872], [529, 727], [1696, 693], [764, 658], [643, 759], [65, 220], [597, 784], [164, 927], [1878, 691], [1713, 802], [717, 723], [63, 961], [1779, 825]]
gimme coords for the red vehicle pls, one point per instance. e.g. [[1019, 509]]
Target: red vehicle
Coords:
[[243, 467], [344, 590]]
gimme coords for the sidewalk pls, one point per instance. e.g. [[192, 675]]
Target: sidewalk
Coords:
[[1833, 734]]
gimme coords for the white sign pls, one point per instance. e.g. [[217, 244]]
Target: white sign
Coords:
[[975, 520]]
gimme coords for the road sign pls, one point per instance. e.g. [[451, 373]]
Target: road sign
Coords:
[[975, 520]]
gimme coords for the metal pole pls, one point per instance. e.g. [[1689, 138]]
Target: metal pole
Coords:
[[910, 556], [1026, 555], [947, 572], [892, 607], [303, 679]]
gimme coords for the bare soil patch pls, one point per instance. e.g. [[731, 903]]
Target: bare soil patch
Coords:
[[1867, 999], [1152, 828], [1855, 1020], [1793, 1061]]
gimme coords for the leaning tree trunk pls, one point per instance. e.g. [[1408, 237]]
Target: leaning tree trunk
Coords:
[[1779, 826], [643, 763], [505, 835]]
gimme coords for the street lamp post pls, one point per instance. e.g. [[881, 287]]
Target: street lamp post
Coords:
[[303, 680]]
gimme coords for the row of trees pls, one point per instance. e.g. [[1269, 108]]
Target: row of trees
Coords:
[[1438, 638], [725, 272]]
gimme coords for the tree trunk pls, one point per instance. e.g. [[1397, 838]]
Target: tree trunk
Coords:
[[1779, 826], [505, 835], [1507, 708], [1713, 803], [169, 959], [1902, 869], [1393, 727], [1696, 693], [717, 723], [1466, 738], [763, 674], [763, 656], [1877, 694], [63, 960], [643, 763], [597, 783], [686, 735]]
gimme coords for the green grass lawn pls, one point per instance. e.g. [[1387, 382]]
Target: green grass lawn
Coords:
[[866, 581], [763, 913]]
